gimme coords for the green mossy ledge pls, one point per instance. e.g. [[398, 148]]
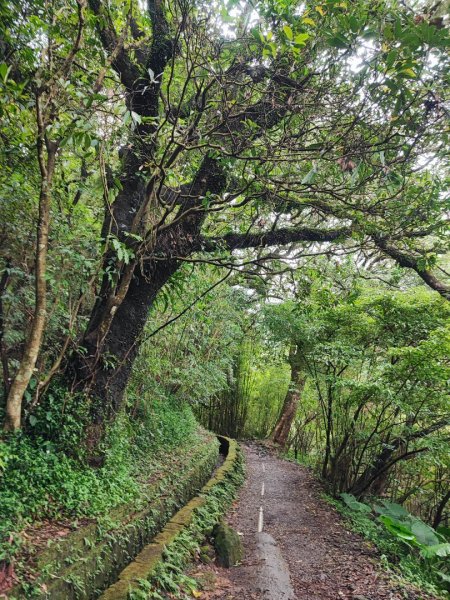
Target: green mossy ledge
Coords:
[[146, 562], [83, 564]]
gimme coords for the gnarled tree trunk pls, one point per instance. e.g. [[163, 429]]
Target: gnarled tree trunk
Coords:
[[114, 334], [283, 426]]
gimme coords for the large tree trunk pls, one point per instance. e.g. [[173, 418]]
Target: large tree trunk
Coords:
[[283, 426], [114, 334], [105, 375]]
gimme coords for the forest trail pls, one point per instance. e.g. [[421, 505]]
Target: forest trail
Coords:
[[313, 556]]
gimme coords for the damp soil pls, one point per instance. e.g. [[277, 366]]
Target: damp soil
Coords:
[[324, 560]]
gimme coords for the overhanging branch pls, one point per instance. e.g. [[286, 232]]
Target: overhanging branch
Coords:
[[278, 237], [411, 262]]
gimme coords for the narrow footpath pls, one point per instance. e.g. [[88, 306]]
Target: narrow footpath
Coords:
[[296, 546]]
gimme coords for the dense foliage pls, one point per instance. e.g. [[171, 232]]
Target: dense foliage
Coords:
[[138, 139], [42, 482], [414, 548], [234, 209]]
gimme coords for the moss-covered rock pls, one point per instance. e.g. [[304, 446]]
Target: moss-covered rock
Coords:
[[228, 545]]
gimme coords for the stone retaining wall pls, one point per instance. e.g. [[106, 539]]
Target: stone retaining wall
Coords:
[[81, 565], [152, 555]]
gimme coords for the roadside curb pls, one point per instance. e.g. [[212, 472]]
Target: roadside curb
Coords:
[[146, 562]]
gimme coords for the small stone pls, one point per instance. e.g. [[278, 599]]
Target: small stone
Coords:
[[206, 554]]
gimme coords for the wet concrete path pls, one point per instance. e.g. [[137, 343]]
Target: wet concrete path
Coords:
[[296, 546]]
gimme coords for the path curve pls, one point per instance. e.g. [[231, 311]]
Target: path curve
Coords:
[[321, 558]]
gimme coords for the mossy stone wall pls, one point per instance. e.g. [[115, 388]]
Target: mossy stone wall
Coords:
[[84, 563], [152, 555]]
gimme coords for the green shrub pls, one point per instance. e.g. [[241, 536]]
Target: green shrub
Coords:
[[414, 549]]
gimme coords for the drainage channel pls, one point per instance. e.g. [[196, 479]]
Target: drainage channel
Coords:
[[144, 564]]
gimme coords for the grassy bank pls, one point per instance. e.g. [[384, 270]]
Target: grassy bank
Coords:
[[48, 493]]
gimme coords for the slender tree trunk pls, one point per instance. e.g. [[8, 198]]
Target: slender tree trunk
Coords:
[[440, 510], [342, 460], [328, 432], [283, 426], [3, 353], [389, 455], [46, 158]]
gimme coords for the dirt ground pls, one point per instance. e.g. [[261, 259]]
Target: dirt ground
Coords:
[[324, 561]]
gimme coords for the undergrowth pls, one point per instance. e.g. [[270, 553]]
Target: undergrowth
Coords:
[[405, 565], [44, 474]]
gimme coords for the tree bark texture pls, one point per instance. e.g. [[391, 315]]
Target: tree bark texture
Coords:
[[290, 405], [46, 157]]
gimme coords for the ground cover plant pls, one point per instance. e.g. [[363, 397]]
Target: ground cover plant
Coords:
[[42, 484], [413, 549]]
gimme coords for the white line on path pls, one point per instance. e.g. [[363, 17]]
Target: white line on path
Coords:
[[261, 510], [260, 519]]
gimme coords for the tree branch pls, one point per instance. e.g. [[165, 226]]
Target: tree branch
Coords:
[[408, 261], [288, 235], [113, 45]]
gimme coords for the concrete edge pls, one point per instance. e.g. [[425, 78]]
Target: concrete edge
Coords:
[[149, 558], [95, 558]]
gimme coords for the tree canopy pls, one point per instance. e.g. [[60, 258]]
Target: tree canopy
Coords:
[[136, 139]]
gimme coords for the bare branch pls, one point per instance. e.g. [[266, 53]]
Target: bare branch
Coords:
[[283, 236]]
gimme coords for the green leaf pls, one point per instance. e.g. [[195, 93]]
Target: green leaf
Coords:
[[409, 73], [309, 21], [4, 71], [338, 41], [440, 550], [288, 32], [354, 23], [399, 530], [354, 504], [425, 534], [391, 509], [136, 118], [411, 40], [300, 39], [310, 176], [391, 58], [257, 34]]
